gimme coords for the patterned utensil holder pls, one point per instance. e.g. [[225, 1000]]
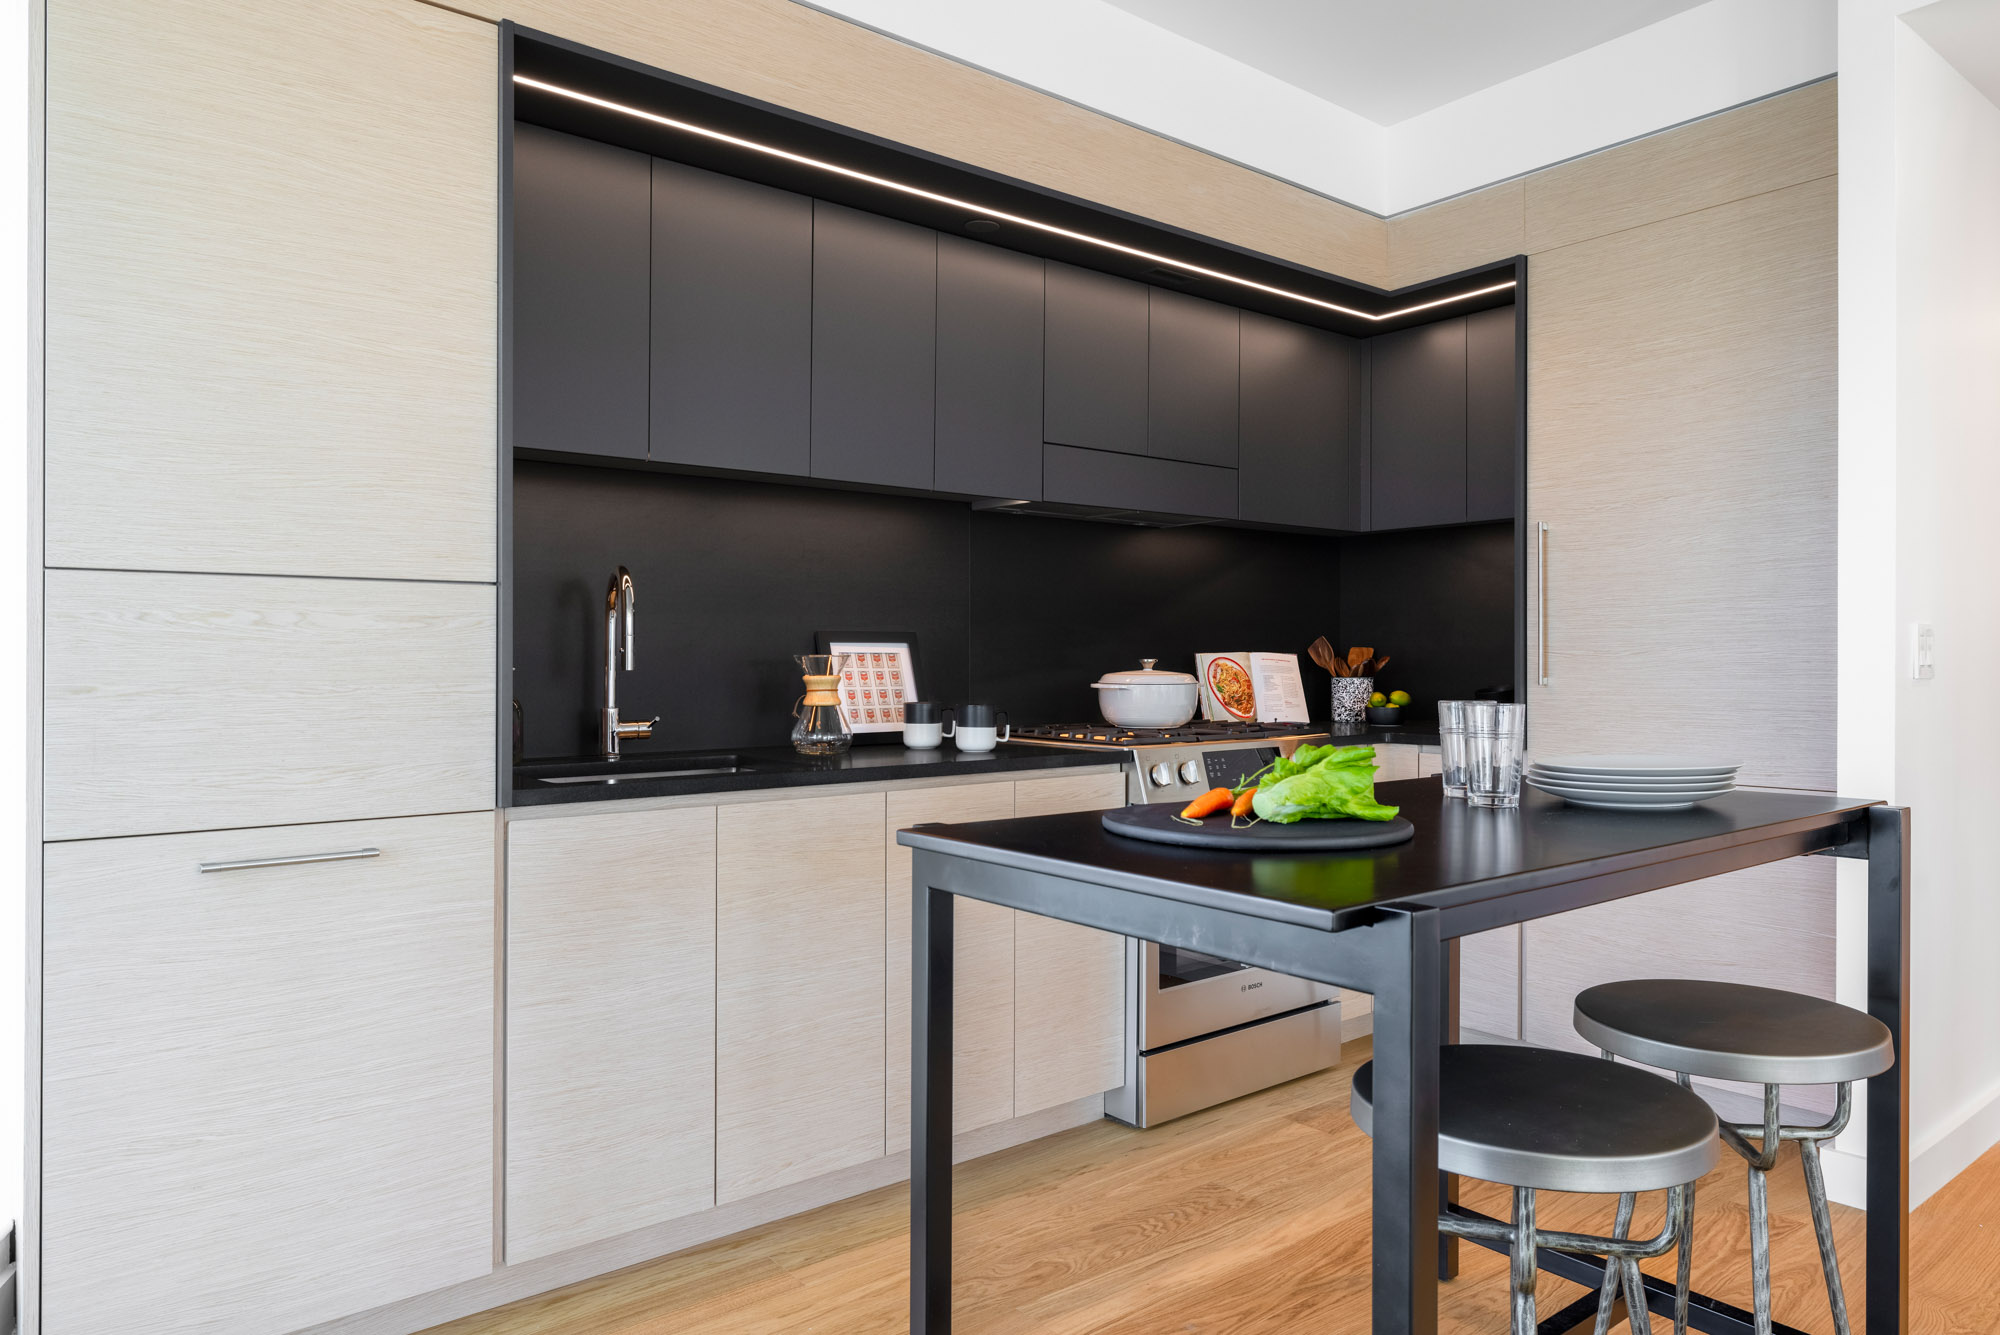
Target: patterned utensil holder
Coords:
[[1350, 702]]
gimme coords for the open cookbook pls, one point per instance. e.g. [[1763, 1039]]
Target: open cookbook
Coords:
[[1251, 688]]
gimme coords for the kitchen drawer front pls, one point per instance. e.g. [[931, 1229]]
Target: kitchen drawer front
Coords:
[[610, 1025], [186, 702], [982, 977], [1134, 482], [272, 289], [267, 1091], [1069, 981]]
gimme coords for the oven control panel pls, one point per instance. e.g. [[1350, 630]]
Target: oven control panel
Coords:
[[1183, 773]]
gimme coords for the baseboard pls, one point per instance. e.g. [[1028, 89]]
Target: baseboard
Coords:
[[1943, 1155], [510, 1283]]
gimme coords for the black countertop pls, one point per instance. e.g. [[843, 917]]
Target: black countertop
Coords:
[[779, 767], [1461, 855]]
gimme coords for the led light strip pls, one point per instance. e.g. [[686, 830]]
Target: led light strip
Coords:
[[979, 210]]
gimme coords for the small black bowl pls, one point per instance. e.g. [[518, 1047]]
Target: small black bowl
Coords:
[[1382, 714]]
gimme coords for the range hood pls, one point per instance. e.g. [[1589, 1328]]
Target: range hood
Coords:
[[1097, 514]]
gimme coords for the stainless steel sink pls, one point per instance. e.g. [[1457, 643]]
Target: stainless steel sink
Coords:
[[636, 769], [636, 775]]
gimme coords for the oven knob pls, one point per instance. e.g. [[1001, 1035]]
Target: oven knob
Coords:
[[1190, 771], [1161, 774]]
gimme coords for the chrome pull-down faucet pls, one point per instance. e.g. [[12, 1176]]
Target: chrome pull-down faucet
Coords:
[[618, 625]]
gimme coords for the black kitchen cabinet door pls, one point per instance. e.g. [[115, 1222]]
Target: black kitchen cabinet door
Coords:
[[1296, 464], [1094, 385], [874, 363], [1417, 445], [732, 323], [1191, 380], [989, 371], [1490, 414], [581, 239], [1135, 482]]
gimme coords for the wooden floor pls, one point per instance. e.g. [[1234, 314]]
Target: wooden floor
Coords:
[[1248, 1218]]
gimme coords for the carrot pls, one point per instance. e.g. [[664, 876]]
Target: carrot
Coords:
[[1210, 802], [1242, 807]]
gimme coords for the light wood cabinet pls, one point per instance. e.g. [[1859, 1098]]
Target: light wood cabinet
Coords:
[[271, 288], [982, 1035], [1069, 981], [610, 1025], [800, 976], [267, 1092], [186, 702]]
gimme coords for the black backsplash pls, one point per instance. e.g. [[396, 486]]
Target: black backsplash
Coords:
[[1023, 611]]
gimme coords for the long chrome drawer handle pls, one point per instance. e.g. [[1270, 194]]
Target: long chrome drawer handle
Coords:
[[298, 861]]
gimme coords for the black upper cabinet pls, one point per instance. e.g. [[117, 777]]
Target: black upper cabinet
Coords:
[[732, 323], [1297, 465], [989, 371], [1417, 476], [1490, 414], [1094, 388], [1191, 380], [1103, 480], [581, 213], [874, 365]]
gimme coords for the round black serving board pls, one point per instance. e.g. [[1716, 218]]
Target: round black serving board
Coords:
[[1158, 824]]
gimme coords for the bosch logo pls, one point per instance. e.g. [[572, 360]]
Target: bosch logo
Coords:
[[1249, 987]]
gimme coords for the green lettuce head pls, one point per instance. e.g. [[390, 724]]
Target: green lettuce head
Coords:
[[1322, 783]]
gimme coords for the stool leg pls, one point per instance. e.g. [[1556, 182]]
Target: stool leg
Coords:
[[1760, 1251], [1685, 1261], [1637, 1317], [1607, 1293], [1523, 1256], [1823, 1226]]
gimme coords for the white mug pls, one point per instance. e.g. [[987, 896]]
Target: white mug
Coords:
[[981, 739], [923, 736]]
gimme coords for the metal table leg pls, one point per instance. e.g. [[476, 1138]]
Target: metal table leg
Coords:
[[930, 1113], [1408, 1022], [1448, 996], [1888, 1264]]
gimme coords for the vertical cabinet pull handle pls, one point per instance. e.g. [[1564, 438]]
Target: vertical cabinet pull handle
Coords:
[[1542, 601], [298, 860]]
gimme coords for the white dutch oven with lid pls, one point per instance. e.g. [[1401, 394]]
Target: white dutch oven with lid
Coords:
[[1147, 698]]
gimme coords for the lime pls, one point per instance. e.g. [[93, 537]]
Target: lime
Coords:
[[1399, 697], [1378, 700]]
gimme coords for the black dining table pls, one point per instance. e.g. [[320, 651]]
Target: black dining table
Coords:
[[1387, 921]]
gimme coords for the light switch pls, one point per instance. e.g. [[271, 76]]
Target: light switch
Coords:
[[1922, 648]]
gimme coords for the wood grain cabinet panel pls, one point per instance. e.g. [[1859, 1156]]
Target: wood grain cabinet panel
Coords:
[[610, 1025], [982, 1007], [271, 288], [268, 1092], [800, 980], [184, 702], [1069, 981], [582, 268]]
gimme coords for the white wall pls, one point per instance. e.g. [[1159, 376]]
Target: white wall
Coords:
[[14, 568], [1920, 541], [1696, 63]]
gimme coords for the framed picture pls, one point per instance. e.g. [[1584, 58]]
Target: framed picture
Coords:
[[880, 674]]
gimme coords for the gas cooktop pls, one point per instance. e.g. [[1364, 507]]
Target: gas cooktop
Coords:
[[1105, 736]]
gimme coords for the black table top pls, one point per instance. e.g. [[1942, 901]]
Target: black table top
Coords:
[[1461, 854]]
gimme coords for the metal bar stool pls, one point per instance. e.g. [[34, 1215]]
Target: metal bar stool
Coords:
[[1533, 1119], [1729, 1031]]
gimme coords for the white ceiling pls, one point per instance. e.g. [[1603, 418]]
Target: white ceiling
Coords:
[[1389, 60]]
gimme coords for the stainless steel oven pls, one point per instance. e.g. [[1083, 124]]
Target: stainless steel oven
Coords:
[[1200, 1030]]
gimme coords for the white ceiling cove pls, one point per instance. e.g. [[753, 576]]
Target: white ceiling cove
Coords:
[[1387, 105], [1389, 60]]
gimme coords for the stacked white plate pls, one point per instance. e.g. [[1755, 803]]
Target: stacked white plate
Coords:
[[1632, 783]]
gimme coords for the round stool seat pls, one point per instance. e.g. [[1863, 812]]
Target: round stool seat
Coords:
[[1731, 1031], [1531, 1117]]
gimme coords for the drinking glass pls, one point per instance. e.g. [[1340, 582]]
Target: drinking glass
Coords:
[[1451, 745], [1494, 735]]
